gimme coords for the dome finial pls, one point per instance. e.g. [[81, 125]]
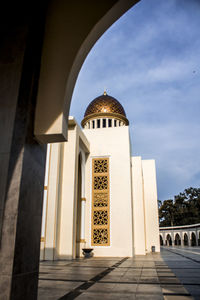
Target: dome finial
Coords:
[[104, 92]]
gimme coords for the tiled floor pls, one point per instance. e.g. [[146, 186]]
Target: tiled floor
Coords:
[[171, 275]]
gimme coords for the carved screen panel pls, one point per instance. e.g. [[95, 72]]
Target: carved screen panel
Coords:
[[100, 202]]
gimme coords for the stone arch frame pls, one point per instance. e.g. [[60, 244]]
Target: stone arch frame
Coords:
[[161, 239], [59, 69], [185, 239], [177, 239], [168, 239], [193, 238]]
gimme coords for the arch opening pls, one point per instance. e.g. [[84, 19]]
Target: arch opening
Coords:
[[161, 240], [185, 240], [177, 240], [169, 240], [193, 239]]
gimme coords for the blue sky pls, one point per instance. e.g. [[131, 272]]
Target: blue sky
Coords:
[[150, 61]]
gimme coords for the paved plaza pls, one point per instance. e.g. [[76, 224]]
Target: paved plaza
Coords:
[[174, 274]]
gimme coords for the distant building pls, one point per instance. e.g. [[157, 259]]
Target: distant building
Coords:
[[182, 235], [96, 194]]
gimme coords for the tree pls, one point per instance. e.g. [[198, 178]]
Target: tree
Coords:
[[183, 210], [166, 213]]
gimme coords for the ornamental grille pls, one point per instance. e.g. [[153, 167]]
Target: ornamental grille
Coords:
[[100, 237], [100, 202], [101, 166], [100, 217], [100, 182], [100, 199]]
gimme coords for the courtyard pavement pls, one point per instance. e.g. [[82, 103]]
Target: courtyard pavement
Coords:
[[174, 274]]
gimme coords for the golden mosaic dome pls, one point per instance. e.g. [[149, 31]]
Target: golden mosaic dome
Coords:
[[105, 106]]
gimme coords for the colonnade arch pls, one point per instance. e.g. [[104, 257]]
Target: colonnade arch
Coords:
[[169, 240], [177, 240], [193, 239], [161, 240], [185, 239], [183, 235]]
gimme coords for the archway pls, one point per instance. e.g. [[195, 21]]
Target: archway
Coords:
[[59, 69], [193, 239], [161, 240], [185, 239], [73, 34], [177, 240], [168, 240]]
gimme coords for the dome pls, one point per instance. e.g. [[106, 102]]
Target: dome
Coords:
[[105, 106]]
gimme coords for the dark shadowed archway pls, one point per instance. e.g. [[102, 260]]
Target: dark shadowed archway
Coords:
[[177, 240], [168, 240], [193, 239], [185, 240]]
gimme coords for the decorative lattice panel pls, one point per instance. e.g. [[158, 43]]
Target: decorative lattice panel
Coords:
[[100, 217], [100, 182], [100, 237], [100, 166], [100, 202], [100, 199]]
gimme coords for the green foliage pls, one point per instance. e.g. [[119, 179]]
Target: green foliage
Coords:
[[183, 210]]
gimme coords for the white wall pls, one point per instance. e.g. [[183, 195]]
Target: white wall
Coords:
[[68, 197], [115, 144], [52, 202], [133, 223], [138, 207], [151, 205]]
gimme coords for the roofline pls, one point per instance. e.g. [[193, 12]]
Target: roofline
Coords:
[[180, 227]]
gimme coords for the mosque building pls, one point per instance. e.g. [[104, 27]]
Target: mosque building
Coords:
[[97, 195]]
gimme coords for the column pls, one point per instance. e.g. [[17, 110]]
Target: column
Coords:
[[22, 159], [52, 201], [189, 239], [83, 203], [196, 237], [83, 200], [182, 238], [173, 239], [45, 195]]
